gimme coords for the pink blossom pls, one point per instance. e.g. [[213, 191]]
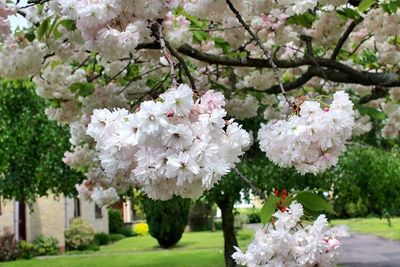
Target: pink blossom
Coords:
[[212, 100]]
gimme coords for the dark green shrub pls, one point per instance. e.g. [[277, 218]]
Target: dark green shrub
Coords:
[[45, 246], [254, 218], [115, 237], [79, 235], [101, 239], [200, 216], [115, 221], [167, 219], [92, 247], [357, 209], [9, 249], [126, 230], [218, 225]]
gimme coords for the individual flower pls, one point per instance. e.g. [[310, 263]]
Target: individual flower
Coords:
[[183, 167], [177, 137], [179, 100]]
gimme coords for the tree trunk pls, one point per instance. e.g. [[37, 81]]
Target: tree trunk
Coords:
[[226, 207]]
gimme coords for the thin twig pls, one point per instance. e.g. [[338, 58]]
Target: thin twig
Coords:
[[81, 64], [184, 65], [167, 56], [216, 29], [138, 77], [123, 69], [264, 49], [34, 3], [360, 44], [255, 189]]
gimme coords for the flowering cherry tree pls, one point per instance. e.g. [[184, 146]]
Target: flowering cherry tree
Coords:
[[151, 90]]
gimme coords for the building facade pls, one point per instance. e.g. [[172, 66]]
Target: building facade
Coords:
[[49, 216]]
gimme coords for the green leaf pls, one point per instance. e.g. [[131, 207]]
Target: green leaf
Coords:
[[53, 26], [365, 5], [69, 24], [221, 43], [391, 7], [314, 202], [306, 20], [199, 36], [40, 9], [349, 13], [57, 34], [372, 112], [43, 27], [268, 209], [30, 35], [82, 89]]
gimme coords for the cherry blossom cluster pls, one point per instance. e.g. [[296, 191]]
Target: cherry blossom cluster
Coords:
[[115, 28], [19, 60], [289, 242], [243, 108], [362, 124], [174, 146], [313, 140], [391, 108], [5, 12], [96, 193]]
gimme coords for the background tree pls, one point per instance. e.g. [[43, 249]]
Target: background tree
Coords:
[[32, 147]]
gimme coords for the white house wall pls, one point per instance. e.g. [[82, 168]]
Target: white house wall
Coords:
[[50, 216], [88, 214], [7, 215], [46, 219]]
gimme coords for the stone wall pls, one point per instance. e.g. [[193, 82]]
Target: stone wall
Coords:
[[47, 218], [50, 216], [100, 224], [88, 214], [7, 215]]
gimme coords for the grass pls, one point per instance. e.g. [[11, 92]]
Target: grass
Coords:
[[248, 211], [200, 249], [373, 226]]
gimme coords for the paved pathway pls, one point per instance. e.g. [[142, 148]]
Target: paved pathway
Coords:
[[361, 250]]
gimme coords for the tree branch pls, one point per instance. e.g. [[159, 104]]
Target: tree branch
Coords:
[[344, 37], [167, 56], [299, 82], [184, 65], [333, 70], [264, 49]]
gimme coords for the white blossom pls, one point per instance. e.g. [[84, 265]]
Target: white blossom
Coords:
[[292, 243], [313, 140], [171, 147]]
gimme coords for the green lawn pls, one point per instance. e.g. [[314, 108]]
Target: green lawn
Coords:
[[373, 226], [201, 249]]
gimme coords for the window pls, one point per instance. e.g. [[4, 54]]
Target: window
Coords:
[[98, 212], [77, 207]]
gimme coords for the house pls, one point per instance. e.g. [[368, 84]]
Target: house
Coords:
[[49, 216], [125, 208]]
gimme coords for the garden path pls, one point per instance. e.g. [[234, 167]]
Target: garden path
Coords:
[[360, 250]]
